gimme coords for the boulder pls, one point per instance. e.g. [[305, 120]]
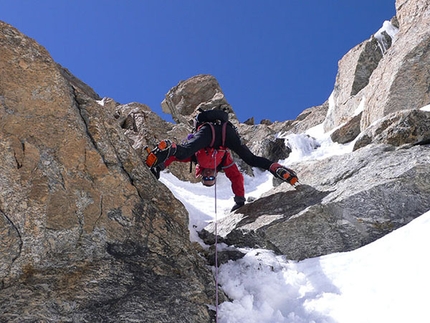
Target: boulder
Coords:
[[348, 131], [408, 127], [200, 91]]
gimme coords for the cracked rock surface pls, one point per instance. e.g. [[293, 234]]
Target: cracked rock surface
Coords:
[[87, 234]]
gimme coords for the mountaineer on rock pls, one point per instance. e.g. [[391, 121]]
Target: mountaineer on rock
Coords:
[[208, 146]]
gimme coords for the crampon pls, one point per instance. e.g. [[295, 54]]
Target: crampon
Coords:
[[287, 175], [160, 153]]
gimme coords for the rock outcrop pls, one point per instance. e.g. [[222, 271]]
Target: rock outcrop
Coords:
[[387, 73], [408, 127], [87, 233], [355, 69], [201, 91]]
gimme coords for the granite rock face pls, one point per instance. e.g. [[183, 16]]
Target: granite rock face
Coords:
[[387, 73], [354, 71], [400, 79], [87, 233], [200, 91]]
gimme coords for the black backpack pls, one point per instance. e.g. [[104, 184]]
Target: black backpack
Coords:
[[214, 116]]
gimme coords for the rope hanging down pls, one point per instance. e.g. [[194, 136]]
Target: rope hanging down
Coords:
[[216, 245]]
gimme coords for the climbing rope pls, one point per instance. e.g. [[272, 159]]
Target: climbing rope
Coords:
[[216, 244]]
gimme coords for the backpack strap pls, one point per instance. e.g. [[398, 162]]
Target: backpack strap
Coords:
[[223, 133], [224, 126], [213, 134]]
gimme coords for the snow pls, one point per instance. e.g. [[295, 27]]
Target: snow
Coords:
[[385, 281], [425, 108], [391, 30]]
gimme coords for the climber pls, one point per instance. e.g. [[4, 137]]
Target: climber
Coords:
[[213, 130]]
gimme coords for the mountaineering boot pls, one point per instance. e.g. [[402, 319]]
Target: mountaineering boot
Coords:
[[283, 173], [159, 154], [239, 202]]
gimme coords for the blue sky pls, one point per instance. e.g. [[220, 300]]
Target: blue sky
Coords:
[[272, 58]]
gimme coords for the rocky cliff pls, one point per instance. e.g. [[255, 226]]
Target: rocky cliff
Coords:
[[88, 235], [86, 232]]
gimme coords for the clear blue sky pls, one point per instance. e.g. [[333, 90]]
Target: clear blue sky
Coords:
[[272, 58]]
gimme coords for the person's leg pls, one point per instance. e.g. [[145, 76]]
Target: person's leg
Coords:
[[159, 155], [234, 143], [200, 140]]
